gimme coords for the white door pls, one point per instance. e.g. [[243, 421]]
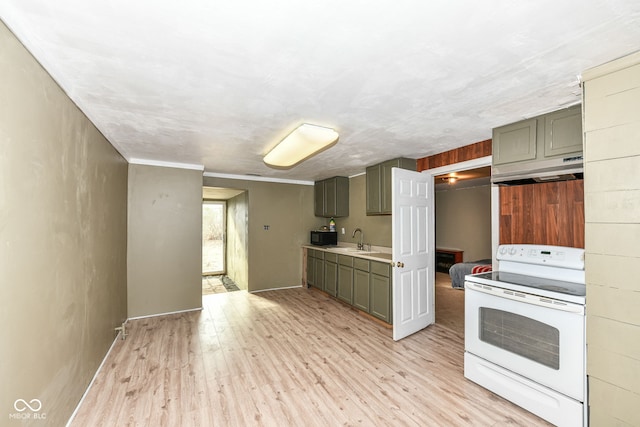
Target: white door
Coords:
[[413, 278]]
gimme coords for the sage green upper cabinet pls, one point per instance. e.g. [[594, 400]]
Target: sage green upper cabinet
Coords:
[[332, 197], [556, 134], [379, 184], [515, 142], [563, 132]]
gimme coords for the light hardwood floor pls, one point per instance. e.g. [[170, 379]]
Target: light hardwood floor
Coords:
[[287, 357]]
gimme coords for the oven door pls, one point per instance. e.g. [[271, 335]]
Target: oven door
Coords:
[[534, 337]]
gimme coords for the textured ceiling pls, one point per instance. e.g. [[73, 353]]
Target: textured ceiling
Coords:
[[218, 83]]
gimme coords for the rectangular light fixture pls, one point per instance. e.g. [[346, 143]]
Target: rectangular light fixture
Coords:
[[305, 141]]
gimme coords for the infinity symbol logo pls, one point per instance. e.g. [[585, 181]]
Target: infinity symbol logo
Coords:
[[21, 405]]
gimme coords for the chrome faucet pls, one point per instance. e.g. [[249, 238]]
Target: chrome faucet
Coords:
[[360, 244]]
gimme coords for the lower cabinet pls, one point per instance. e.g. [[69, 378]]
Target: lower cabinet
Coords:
[[331, 274], [361, 284], [315, 267], [380, 288], [318, 270], [345, 278]]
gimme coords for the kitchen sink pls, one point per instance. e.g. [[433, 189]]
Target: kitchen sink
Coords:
[[355, 252], [352, 250], [383, 255]]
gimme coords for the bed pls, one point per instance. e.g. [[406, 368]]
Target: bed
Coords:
[[461, 269]]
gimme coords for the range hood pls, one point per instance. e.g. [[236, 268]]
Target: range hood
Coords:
[[537, 171]]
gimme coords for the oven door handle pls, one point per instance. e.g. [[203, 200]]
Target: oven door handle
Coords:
[[525, 298]]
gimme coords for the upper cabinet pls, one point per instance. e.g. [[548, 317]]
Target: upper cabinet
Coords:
[[550, 135], [379, 184], [332, 197], [563, 132], [515, 142]]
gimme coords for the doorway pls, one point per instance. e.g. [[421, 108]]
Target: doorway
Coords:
[[224, 240], [461, 216], [213, 237]]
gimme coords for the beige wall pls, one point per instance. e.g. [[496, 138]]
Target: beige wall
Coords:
[[376, 228], [463, 221], [164, 256], [612, 217], [275, 255], [63, 202], [237, 255]]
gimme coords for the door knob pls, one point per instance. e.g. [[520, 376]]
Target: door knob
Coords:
[[400, 264]]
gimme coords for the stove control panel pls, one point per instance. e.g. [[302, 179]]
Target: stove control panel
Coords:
[[556, 256]]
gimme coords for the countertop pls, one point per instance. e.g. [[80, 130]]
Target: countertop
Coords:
[[377, 253]]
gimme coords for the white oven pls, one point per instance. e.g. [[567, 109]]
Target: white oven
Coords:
[[525, 333]]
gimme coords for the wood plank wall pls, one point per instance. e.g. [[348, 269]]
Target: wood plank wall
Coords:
[[462, 154], [550, 213]]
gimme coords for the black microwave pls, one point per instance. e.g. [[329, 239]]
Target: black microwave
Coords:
[[324, 238]]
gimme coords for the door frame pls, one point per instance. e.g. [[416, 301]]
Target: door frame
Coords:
[[224, 235], [495, 202]]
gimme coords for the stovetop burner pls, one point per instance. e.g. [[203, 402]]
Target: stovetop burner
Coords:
[[558, 286]]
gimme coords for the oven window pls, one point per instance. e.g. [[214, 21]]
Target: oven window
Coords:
[[521, 335]]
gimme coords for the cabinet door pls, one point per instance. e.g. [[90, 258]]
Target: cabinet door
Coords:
[[385, 186], [381, 297], [563, 132], [345, 283], [311, 268], [361, 289], [330, 197], [318, 189], [373, 189], [318, 279], [342, 196], [515, 142], [379, 184], [331, 278]]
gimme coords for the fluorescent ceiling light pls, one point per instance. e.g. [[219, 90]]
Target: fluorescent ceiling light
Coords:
[[305, 141]]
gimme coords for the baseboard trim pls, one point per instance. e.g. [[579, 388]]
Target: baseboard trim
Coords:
[[275, 289], [95, 375], [165, 314]]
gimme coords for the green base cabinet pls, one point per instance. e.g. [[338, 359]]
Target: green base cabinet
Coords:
[[318, 268], [380, 288], [331, 274], [360, 282], [361, 290], [345, 278], [311, 267]]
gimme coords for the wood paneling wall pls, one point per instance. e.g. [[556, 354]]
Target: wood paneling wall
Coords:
[[462, 154], [549, 213]]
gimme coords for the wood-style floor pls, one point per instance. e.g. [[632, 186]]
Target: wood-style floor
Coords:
[[287, 358]]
